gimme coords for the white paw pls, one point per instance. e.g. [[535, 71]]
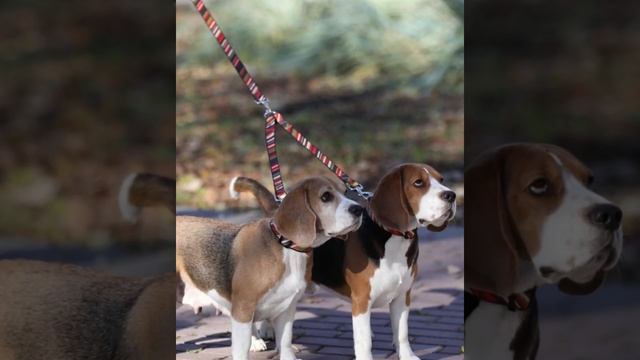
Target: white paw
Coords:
[[257, 344]]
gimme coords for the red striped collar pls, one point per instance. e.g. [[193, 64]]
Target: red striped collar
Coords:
[[515, 301], [409, 235], [286, 242]]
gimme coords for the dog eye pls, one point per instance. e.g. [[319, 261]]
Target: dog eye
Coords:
[[418, 183], [326, 196], [539, 187]]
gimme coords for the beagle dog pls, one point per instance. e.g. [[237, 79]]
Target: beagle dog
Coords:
[[259, 271], [57, 311], [531, 220], [377, 264]]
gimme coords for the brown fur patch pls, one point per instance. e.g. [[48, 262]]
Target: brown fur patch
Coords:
[[57, 311]]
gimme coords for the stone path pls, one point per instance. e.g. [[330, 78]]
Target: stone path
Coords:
[[323, 321]]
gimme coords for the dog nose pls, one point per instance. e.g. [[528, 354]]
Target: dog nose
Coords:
[[356, 210], [448, 196], [606, 216]]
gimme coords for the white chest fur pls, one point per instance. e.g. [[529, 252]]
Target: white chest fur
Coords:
[[393, 277], [288, 290], [489, 331]]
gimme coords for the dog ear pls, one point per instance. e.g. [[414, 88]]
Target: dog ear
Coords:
[[491, 256], [389, 204], [572, 287], [295, 219]]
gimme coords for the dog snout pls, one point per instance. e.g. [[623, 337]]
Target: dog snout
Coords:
[[448, 196], [606, 216], [355, 210]]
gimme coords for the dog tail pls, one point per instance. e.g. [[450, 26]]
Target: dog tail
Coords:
[[266, 200], [141, 190]]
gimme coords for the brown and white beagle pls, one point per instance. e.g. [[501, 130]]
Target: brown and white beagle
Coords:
[[259, 271], [531, 219], [58, 311], [377, 264]]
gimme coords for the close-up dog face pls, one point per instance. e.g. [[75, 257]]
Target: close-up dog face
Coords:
[[317, 206], [568, 230], [533, 202], [412, 195]]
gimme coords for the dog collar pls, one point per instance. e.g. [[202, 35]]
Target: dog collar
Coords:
[[409, 235], [286, 242], [515, 301]]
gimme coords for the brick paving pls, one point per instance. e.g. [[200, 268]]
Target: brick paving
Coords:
[[322, 329]]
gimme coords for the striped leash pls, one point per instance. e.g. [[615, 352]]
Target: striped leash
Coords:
[[272, 117]]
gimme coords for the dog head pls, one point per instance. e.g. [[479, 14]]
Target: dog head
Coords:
[[316, 210], [412, 195], [530, 206]]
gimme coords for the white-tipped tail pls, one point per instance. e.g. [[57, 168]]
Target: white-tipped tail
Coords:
[[128, 211], [232, 188]]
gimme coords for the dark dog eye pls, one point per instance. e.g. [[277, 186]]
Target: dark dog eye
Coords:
[[326, 196], [539, 187], [418, 183]]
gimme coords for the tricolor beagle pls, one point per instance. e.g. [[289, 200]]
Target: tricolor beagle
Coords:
[[57, 311], [531, 219], [259, 270], [377, 264]]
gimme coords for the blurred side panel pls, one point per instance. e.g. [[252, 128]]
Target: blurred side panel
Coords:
[[565, 73], [87, 98]]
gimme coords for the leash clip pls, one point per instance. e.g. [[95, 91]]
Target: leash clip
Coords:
[[359, 189], [264, 102]]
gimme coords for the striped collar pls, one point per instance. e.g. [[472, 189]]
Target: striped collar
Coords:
[[286, 242], [515, 301]]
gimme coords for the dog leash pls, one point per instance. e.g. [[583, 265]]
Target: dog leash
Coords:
[[272, 117]]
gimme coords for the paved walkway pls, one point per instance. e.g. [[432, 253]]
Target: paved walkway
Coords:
[[323, 322]]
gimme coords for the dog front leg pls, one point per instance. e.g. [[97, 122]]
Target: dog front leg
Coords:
[[399, 311], [283, 325], [241, 329], [361, 317], [257, 342]]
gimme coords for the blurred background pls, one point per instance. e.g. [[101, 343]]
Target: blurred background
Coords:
[[372, 83], [567, 73], [86, 97]]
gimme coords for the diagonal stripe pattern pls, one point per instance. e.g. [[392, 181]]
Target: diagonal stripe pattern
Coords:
[[272, 117]]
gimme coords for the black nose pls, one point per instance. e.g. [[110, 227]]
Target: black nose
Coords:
[[448, 196], [356, 210], [606, 216]]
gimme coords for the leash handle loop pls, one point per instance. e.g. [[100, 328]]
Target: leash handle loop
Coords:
[[272, 117]]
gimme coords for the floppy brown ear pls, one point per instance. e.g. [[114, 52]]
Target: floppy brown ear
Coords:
[[571, 287], [389, 203], [295, 219], [491, 258]]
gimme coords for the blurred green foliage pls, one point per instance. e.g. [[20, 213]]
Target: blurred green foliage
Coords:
[[354, 44]]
